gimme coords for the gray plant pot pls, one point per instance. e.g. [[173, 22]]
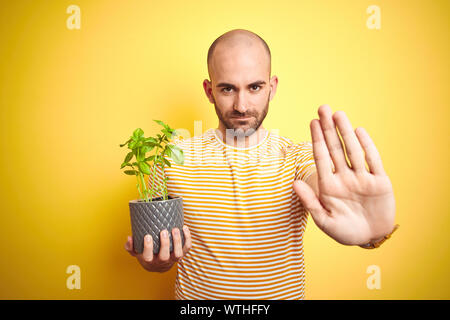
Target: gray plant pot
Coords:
[[153, 217]]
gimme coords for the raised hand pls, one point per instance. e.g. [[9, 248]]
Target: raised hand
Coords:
[[351, 204]]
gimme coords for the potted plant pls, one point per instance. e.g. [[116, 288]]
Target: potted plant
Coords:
[[151, 215]]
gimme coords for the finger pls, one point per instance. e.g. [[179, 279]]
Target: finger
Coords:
[[332, 139], [177, 253], [352, 147], [164, 250], [129, 246], [320, 151], [310, 202], [187, 240], [147, 254], [373, 158]]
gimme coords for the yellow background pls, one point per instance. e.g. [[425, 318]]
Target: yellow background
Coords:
[[68, 98]]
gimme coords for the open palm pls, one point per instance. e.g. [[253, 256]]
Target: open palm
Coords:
[[352, 205]]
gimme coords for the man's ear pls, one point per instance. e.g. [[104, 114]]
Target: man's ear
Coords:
[[275, 80], [207, 86]]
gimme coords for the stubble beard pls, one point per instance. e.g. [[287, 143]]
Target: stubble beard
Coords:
[[248, 127]]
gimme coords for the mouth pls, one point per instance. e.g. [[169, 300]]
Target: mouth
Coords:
[[241, 118]]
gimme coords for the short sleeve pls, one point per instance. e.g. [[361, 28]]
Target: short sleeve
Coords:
[[304, 161]]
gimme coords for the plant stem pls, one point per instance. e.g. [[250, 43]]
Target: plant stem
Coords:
[[145, 187], [165, 188], [153, 180], [142, 181], [138, 183], [159, 187], [154, 173], [162, 183]]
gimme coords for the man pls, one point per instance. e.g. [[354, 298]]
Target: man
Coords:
[[241, 186]]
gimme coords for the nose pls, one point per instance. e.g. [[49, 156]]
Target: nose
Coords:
[[240, 104], [240, 108]]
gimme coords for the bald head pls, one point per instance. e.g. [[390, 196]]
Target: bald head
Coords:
[[237, 38]]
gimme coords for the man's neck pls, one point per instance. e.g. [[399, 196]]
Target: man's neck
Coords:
[[241, 141]]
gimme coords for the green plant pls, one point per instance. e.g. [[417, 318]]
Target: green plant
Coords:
[[140, 146]]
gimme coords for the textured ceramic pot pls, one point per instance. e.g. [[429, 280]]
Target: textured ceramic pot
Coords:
[[153, 217]]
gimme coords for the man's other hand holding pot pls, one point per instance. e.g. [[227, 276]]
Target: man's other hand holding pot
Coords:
[[164, 260]]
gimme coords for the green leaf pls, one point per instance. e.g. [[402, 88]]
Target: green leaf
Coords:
[[167, 133], [140, 157], [131, 172], [144, 167], [125, 165], [132, 144], [150, 144], [138, 133], [150, 158], [162, 124], [128, 157], [144, 149], [177, 154], [150, 140], [167, 162], [168, 128]]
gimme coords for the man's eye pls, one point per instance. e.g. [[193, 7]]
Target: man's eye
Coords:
[[254, 87]]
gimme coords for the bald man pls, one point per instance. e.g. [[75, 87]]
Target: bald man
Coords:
[[247, 191]]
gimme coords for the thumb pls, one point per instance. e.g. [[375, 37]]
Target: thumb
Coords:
[[310, 202]]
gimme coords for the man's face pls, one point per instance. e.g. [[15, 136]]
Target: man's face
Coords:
[[240, 88], [246, 122]]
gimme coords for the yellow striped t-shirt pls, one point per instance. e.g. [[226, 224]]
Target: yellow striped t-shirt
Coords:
[[246, 220]]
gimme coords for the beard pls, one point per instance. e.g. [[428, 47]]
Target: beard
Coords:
[[242, 128]]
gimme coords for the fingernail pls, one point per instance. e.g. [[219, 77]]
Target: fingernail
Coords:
[[165, 234], [148, 238], [176, 232]]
